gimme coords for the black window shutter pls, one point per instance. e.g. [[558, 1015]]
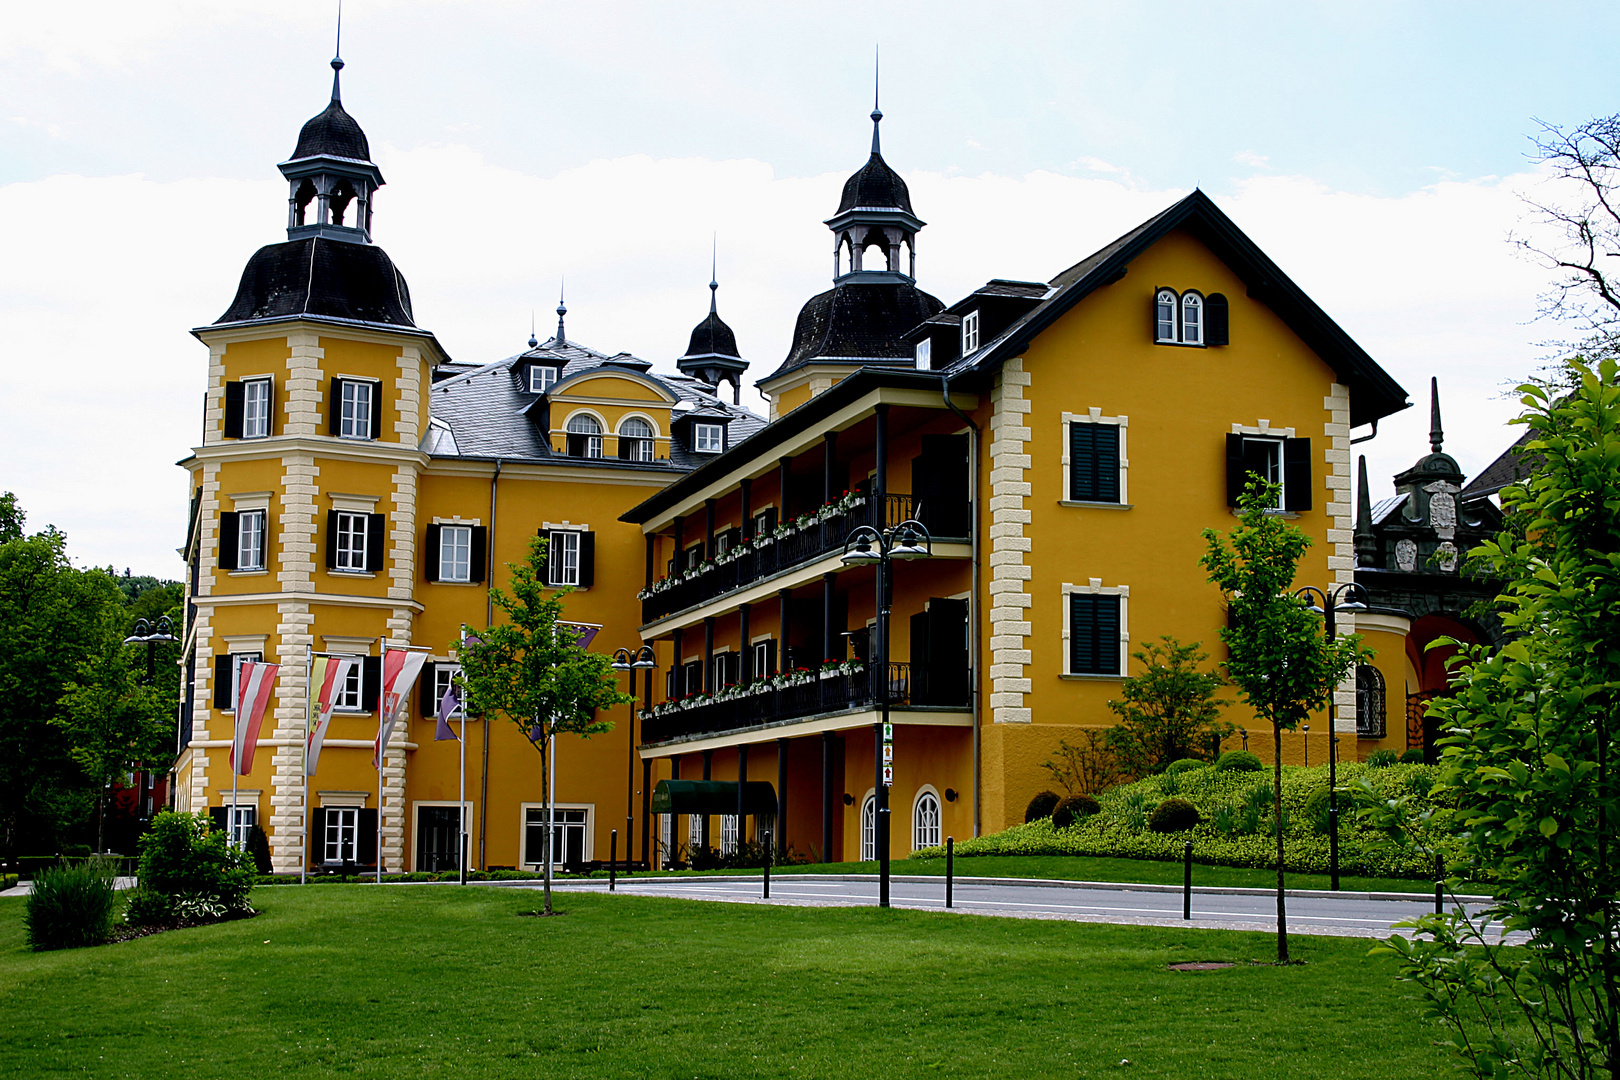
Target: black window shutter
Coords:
[[477, 563], [1216, 330], [430, 553], [317, 834], [1082, 462], [770, 519], [627, 448], [334, 408], [331, 539], [1082, 634], [370, 682], [222, 682], [230, 524], [1236, 474], [1107, 635], [376, 410], [366, 842], [587, 559], [235, 398], [1296, 474], [426, 681], [770, 657], [216, 816], [374, 541], [1107, 443], [545, 563]]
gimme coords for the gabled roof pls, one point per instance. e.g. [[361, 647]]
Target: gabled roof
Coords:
[[1512, 466], [1373, 392]]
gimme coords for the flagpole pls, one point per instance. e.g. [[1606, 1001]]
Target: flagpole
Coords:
[[461, 815], [309, 675], [236, 742]]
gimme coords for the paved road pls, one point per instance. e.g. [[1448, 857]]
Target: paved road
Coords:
[[1341, 914]]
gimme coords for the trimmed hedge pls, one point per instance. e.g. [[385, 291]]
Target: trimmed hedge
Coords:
[[1041, 806], [1073, 809], [1174, 815], [1119, 829], [1186, 764], [1238, 761]]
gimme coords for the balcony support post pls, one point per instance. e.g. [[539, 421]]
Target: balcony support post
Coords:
[[785, 475], [708, 657], [742, 781], [708, 766], [652, 548], [677, 684], [828, 599], [781, 796], [678, 564], [826, 795], [708, 528], [745, 667], [784, 599], [829, 446], [747, 496]]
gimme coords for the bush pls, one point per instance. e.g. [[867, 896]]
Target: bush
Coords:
[[1041, 806], [1413, 756], [1238, 761], [71, 905], [1382, 759], [183, 857], [1073, 809], [1174, 815], [1316, 810], [1186, 764], [258, 849], [148, 908]]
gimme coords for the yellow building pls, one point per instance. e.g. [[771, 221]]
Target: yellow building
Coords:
[[1063, 443]]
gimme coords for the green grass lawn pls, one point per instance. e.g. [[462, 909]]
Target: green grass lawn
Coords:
[[439, 981]]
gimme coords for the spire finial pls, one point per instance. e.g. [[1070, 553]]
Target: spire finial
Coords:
[[1366, 542], [337, 57], [562, 309], [1437, 437], [877, 113], [714, 278], [533, 341]]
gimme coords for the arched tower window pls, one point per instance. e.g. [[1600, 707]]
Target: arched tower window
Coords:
[[869, 829], [1164, 310], [1369, 702], [635, 440], [925, 827], [584, 436], [1192, 319]]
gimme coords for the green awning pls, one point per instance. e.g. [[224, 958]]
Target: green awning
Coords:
[[712, 797]]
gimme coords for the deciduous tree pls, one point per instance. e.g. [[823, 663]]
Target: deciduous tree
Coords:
[[1168, 709]]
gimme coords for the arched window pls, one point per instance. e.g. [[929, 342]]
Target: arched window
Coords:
[[584, 436], [1164, 310], [925, 821], [635, 439], [1192, 319], [869, 829], [1369, 702], [728, 834], [694, 831]]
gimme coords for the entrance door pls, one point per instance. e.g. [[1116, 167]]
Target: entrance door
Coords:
[[939, 485], [438, 838], [939, 654]]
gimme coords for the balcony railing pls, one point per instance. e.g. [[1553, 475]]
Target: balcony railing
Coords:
[[803, 544], [810, 698]]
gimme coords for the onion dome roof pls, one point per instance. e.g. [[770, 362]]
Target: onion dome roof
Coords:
[[322, 277], [875, 185], [712, 337]]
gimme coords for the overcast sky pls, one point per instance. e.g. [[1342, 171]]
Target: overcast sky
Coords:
[[1376, 151]]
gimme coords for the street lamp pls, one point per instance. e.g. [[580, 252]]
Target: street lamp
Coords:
[[1328, 604], [864, 546], [153, 634], [623, 660]]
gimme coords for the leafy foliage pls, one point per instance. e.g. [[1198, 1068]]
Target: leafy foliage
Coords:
[[1380, 758], [1169, 709], [72, 905], [183, 856], [1186, 764], [1085, 766], [1174, 815], [1072, 809], [1041, 806], [1238, 761]]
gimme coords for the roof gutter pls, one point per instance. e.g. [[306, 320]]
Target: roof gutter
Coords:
[[974, 667]]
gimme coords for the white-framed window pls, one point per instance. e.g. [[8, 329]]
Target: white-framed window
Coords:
[[728, 834], [1192, 319], [925, 820], [351, 539], [869, 829], [584, 436], [542, 377], [241, 820], [1263, 457], [970, 332], [340, 842], [562, 557], [443, 676], [708, 438], [349, 694], [357, 404], [694, 556], [1096, 632], [455, 552], [1165, 303], [237, 660], [255, 408], [1094, 459], [762, 659], [666, 838], [635, 439], [569, 835], [925, 354], [250, 529], [694, 831]]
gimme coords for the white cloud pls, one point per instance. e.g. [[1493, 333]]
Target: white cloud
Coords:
[[105, 275]]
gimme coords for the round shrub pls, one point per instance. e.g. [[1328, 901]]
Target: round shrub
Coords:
[[1173, 815], [1041, 806], [1072, 809], [1186, 764], [1238, 761], [71, 905], [1413, 756], [148, 908], [183, 855], [1382, 759]]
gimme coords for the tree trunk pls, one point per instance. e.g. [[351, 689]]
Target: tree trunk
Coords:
[[1276, 816], [101, 818], [545, 800]]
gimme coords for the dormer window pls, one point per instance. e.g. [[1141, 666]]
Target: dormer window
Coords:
[[970, 332], [925, 354], [1189, 318], [542, 377], [708, 438]]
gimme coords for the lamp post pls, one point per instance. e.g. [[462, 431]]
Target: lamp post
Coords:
[[867, 545], [1328, 604], [153, 634], [623, 660]]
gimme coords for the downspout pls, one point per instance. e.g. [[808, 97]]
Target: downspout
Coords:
[[1373, 434], [489, 617], [973, 602]]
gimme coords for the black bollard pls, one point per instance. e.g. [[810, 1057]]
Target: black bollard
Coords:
[[1439, 884], [613, 857], [1186, 880], [767, 895], [950, 867]]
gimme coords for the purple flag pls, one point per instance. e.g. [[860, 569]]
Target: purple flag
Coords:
[[447, 708], [587, 632]]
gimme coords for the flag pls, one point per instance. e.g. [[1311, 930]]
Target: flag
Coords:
[[447, 708], [586, 632], [400, 669], [254, 681], [327, 676]]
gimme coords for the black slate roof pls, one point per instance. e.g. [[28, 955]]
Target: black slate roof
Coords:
[[875, 186], [322, 277], [334, 133], [858, 321], [712, 337], [1512, 466]]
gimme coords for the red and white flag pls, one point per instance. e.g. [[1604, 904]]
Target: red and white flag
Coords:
[[326, 678], [400, 669], [254, 681]]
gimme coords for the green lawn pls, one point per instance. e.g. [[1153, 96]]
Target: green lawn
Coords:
[[440, 981]]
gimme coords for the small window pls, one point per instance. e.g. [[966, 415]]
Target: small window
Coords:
[[1264, 458], [237, 660], [925, 354], [541, 378], [1094, 641], [970, 332], [694, 831], [567, 835], [1278, 460], [1369, 702], [728, 834], [1164, 315], [356, 408], [250, 526], [692, 677], [584, 436], [242, 820], [694, 556], [636, 440], [349, 694], [455, 553], [762, 659], [1094, 462], [255, 408], [350, 554], [1192, 319], [869, 829], [562, 558], [925, 822], [342, 840], [708, 438], [444, 676]]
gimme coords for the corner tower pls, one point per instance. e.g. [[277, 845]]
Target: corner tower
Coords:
[[711, 354]]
